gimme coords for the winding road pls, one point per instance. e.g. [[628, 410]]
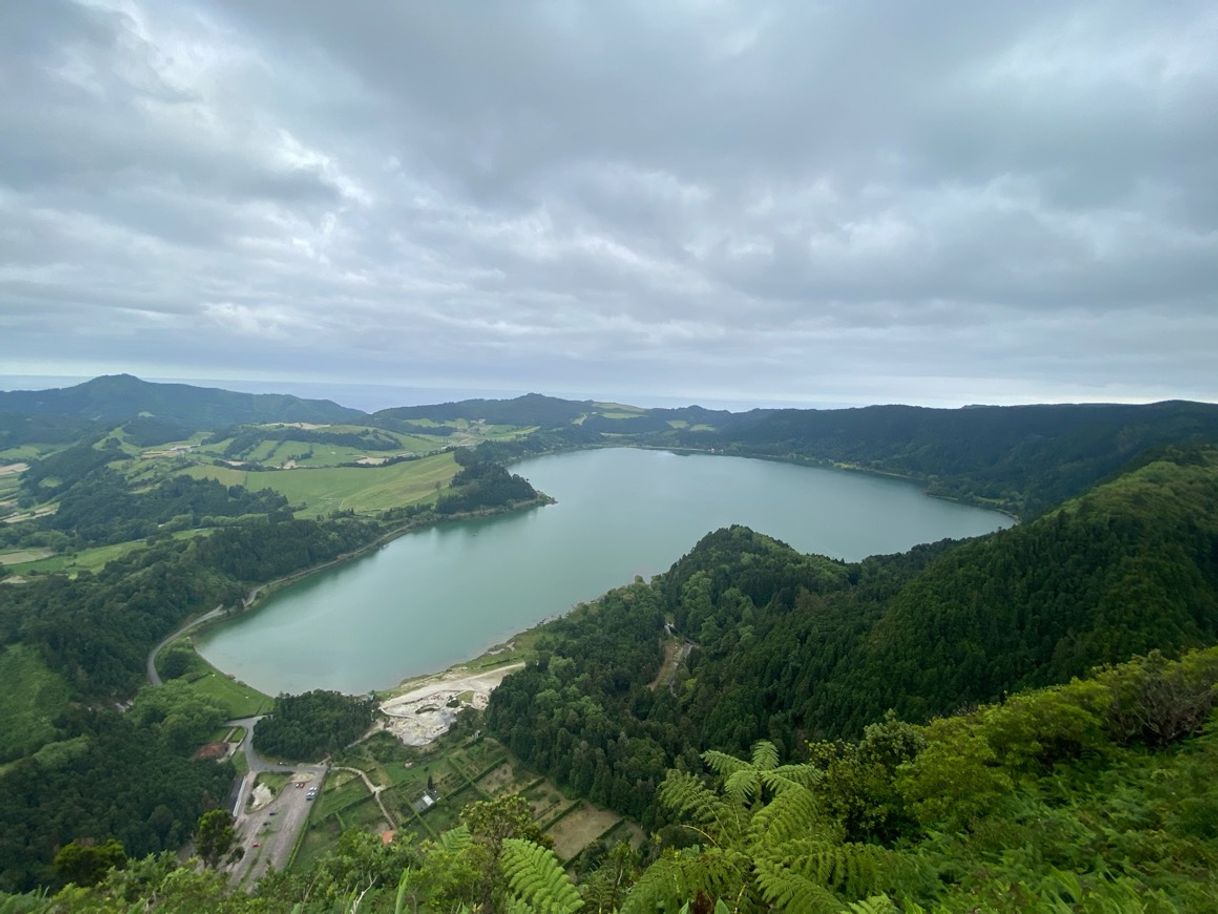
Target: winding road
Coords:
[[153, 676]]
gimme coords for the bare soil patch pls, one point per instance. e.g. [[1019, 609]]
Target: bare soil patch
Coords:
[[579, 828], [429, 709]]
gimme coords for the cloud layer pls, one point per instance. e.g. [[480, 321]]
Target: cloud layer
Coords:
[[939, 203]]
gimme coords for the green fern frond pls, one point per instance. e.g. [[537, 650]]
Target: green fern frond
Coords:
[[743, 786], [537, 878], [882, 904], [455, 839], [686, 795], [854, 870], [790, 891], [792, 814], [765, 755], [805, 775], [723, 764], [676, 878]]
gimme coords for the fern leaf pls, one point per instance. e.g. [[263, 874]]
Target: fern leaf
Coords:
[[537, 878], [790, 891], [765, 755], [792, 814], [743, 785], [723, 764], [854, 870], [686, 795], [676, 878], [456, 839]]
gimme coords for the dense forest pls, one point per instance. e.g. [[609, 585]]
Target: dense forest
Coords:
[[314, 724], [482, 484], [1023, 458]]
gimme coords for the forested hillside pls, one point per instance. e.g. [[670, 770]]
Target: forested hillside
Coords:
[[1096, 797], [1023, 458], [785, 647]]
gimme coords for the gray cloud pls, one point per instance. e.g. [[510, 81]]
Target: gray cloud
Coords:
[[938, 203]]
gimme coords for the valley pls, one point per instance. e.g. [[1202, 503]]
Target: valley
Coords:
[[666, 621]]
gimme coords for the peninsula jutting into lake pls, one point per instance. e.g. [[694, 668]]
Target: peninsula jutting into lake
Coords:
[[430, 599]]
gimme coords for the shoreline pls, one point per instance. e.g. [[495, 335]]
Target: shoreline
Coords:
[[257, 595]]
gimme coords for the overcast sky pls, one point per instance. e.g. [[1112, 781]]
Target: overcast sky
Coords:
[[938, 203]]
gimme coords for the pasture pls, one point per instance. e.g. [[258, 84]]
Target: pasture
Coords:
[[318, 491]]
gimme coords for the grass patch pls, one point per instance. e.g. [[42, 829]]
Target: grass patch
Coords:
[[319, 836], [32, 697], [24, 556], [520, 647], [318, 491], [236, 698], [93, 559], [366, 815], [342, 790], [275, 780]]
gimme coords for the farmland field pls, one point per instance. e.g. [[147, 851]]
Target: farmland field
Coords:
[[323, 490], [70, 563]]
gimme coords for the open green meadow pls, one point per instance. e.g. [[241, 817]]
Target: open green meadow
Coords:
[[32, 697], [45, 562], [237, 698], [320, 491]]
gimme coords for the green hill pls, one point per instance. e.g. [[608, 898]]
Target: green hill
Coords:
[[112, 399], [1024, 458], [791, 646]]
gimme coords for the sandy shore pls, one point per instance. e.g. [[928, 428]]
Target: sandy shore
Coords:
[[429, 708]]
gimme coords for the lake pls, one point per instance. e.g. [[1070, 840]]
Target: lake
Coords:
[[432, 598]]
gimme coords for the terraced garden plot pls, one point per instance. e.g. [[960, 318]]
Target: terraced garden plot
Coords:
[[503, 779], [546, 801], [578, 828], [446, 814], [343, 789]]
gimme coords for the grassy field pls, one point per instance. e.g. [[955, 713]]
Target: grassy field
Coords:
[[32, 697], [24, 556], [85, 560], [319, 491], [237, 698]]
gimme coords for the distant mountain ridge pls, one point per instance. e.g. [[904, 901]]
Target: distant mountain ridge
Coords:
[[1023, 459], [114, 398]]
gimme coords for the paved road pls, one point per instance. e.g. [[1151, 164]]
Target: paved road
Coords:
[[268, 834], [153, 676]]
